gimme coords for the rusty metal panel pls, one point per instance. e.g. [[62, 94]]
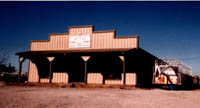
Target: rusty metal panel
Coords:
[[33, 74], [60, 77], [95, 78]]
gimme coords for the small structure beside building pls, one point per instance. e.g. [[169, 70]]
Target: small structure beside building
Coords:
[[171, 71]]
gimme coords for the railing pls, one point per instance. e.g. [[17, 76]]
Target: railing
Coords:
[[182, 68]]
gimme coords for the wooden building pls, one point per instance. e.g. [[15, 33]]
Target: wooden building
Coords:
[[92, 57]]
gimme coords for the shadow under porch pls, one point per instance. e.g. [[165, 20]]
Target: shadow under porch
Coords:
[[65, 69]]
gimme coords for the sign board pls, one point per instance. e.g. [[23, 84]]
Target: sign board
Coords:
[[82, 41]]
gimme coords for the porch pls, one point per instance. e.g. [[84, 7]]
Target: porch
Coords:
[[107, 66]]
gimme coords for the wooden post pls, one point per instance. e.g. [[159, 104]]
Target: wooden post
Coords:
[[21, 60], [180, 78], [85, 72], [103, 79], [85, 58], [50, 72], [124, 71], [50, 68], [20, 71]]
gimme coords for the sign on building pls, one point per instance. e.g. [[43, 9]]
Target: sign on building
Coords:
[[82, 41]]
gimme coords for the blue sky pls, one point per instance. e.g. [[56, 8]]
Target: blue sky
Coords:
[[165, 29]]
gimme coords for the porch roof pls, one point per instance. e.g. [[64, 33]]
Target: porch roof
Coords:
[[88, 52], [119, 51]]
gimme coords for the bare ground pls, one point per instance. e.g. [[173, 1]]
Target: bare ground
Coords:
[[45, 97]]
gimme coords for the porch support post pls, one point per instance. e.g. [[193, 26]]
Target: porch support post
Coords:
[[50, 72], [85, 58], [50, 68], [85, 79], [21, 60], [124, 71]]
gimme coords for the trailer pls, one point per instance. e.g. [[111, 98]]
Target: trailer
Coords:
[[172, 72]]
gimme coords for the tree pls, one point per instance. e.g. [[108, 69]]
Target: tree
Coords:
[[4, 56], [11, 68]]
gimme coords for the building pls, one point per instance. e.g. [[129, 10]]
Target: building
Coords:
[[92, 57]]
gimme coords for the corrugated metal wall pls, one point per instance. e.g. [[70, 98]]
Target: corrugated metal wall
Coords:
[[57, 42], [33, 73], [95, 78], [60, 77], [131, 79], [83, 30], [44, 80], [99, 40], [113, 82]]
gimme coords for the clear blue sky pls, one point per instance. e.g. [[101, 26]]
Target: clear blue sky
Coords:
[[165, 29]]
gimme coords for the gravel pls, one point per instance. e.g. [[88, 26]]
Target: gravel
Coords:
[[46, 97]]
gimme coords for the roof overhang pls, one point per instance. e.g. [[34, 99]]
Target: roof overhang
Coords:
[[78, 51], [87, 52]]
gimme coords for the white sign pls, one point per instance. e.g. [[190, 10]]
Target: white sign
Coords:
[[82, 41]]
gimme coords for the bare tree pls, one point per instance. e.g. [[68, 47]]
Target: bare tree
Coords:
[[4, 56]]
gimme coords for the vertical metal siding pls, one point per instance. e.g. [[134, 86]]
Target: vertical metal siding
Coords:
[[84, 31], [58, 42], [95, 78], [118, 82], [33, 74], [131, 78], [99, 40], [60, 77], [44, 80], [113, 82]]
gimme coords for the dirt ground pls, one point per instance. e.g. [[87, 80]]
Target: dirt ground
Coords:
[[44, 97]]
